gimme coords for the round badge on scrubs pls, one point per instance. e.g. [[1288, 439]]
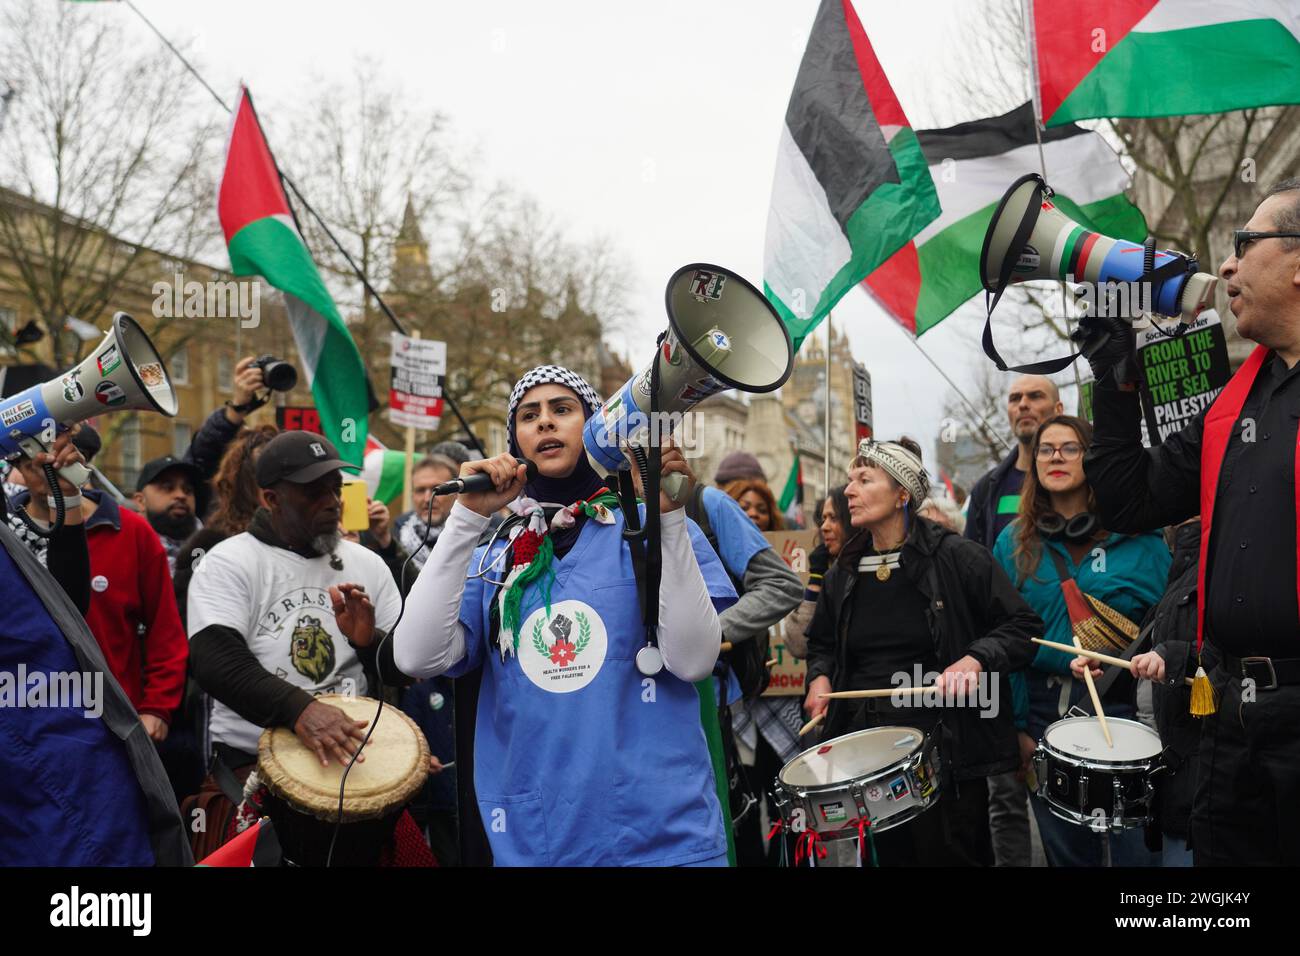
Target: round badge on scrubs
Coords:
[[649, 661], [564, 651]]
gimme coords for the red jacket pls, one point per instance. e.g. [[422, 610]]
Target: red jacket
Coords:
[[133, 608]]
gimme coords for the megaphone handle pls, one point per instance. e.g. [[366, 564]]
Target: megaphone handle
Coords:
[[675, 487]]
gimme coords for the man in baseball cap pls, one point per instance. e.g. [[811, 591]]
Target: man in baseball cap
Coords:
[[289, 610], [168, 490]]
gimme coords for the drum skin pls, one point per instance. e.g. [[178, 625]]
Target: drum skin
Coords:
[[304, 796], [395, 768], [885, 775]]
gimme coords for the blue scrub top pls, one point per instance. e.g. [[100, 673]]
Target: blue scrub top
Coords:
[[579, 759]]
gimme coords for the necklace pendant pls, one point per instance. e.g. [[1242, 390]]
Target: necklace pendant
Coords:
[[882, 572]]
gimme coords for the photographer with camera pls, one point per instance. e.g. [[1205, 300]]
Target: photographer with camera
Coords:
[[1234, 464]]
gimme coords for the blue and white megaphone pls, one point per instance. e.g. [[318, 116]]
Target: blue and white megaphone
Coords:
[[722, 333], [124, 373]]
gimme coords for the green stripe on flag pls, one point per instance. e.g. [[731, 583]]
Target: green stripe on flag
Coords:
[[272, 249], [707, 691], [791, 489], [1009, 505], [392, 475], [1206, 69]]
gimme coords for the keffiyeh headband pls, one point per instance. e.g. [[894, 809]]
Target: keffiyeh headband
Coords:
[[900, 464]]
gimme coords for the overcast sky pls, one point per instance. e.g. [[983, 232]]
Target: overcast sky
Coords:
[[654, 125]]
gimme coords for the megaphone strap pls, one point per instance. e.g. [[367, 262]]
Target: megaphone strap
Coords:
[[991, 297]]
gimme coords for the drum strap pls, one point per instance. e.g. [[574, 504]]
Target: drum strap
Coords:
[[1112, 672]]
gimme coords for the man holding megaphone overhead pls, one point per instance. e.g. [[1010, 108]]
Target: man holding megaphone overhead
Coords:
[[1236, 465]]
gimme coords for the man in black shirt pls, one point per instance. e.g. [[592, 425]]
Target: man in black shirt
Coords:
[[1236, 465]]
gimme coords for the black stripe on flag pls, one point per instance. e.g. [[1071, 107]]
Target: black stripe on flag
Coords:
[[989, 137], [830, 118]]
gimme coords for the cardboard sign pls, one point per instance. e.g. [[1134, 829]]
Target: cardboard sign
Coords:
[[788, 674], [1183, 375], [415, 396]]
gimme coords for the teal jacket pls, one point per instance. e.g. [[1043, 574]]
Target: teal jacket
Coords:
[[1128, 572]]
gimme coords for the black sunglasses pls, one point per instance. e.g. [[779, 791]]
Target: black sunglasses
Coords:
[[1241, 238]]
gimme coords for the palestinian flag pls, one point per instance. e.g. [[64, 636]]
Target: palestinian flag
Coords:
[[1164, 57], [972, 165], [850, 186], [263, 240], [792, 493], [384, 473]]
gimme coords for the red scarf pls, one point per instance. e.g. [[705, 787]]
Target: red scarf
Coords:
[[1217, 429]]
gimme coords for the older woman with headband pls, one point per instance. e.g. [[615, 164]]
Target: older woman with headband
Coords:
[[910, 602]]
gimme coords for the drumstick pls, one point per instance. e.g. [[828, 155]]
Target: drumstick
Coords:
[[812, 723], [1096, 700], [726, 645], [771, 663], [1092, 655], [879, 692]]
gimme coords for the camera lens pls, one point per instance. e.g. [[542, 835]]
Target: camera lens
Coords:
[[278, 376]]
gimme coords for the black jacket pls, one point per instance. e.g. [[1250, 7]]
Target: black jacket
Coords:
[[973, 609], [982, 510], [1173, 623]]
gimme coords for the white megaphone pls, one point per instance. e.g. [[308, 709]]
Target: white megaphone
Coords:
[[124, 373], [722, 333], [1029, 238]]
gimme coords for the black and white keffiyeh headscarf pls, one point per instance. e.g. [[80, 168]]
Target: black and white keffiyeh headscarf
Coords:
[[547, 375]]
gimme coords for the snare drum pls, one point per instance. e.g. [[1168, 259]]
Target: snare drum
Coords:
[[1086, 782], [884, 776], [304, 796]]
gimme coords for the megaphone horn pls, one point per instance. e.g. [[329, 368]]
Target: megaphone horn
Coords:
[[1030, 238], [123, 373], [722, 333]]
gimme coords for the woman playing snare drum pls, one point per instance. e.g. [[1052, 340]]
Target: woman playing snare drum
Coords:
[[1057, 539], [908, 602]]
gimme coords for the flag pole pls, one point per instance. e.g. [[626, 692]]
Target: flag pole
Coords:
[[365, 282], [1031, 66], [826, 417], [988, 429]]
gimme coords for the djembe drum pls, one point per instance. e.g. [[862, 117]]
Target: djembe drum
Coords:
[[304, 796]]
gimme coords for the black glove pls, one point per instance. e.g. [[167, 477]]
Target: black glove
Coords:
[[819, 560], [1109, 344]]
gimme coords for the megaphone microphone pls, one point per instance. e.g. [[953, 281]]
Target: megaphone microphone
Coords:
[[479, 481], [722, 333], [1029, 238], [124, 373]]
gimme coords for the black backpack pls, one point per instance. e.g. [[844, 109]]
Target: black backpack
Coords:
[[748, 659]]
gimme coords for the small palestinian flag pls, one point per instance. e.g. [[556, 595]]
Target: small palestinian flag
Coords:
[[1163, 57], [238, 851], [792, 493], [851, 185], [971, 165]]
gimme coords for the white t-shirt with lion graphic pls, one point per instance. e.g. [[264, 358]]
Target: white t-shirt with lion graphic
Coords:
[[279, 601]]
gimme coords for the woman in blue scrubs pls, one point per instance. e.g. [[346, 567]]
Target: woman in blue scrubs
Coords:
[[581, 758]]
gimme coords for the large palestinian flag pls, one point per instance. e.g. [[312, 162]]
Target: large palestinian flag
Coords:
[[1164, 57], [972, 165], [851, 185], [263, 240]]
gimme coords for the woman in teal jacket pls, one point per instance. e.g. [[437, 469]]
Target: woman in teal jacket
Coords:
[[1126, 572]]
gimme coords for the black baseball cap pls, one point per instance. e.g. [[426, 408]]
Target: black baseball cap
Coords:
[[153, 470], [297, 456]]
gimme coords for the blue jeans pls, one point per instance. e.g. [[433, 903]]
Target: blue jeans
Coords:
[[1176, 852]]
